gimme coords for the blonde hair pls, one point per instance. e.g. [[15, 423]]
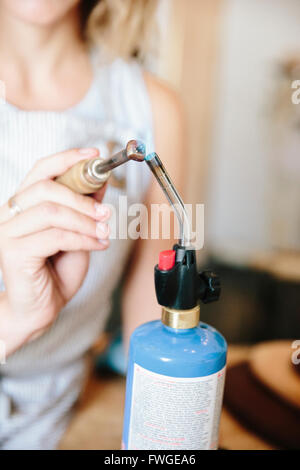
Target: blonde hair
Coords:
[[122, 28]]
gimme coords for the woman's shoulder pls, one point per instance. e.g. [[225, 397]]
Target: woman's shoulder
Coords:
[[167, 106], [161, 92]]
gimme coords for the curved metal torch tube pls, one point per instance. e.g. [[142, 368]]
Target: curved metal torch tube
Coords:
[[165, 182]]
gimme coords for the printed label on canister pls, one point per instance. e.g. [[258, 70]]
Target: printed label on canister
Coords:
[[175, 413]]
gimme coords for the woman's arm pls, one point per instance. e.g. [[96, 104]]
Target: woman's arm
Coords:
[[139, 301]]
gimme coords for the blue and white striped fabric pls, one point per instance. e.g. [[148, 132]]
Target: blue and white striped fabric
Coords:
[[42, 380]]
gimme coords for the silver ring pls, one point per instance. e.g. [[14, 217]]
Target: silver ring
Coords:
[[14, 208]]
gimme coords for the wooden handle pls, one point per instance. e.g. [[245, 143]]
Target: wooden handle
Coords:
[[75, 179]]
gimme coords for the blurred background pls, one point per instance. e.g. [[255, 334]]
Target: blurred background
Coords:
[[233, 63]]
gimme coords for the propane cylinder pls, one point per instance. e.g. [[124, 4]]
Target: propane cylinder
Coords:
[[176, 368]]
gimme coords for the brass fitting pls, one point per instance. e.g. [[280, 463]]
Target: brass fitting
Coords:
[[82, 179], [181, 319]]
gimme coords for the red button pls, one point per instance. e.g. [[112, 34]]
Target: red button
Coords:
[[166, 260]]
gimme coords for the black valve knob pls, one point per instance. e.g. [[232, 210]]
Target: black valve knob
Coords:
[[210, 287], [178, 284]]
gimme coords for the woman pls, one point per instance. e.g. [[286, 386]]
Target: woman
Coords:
[[58, 267]]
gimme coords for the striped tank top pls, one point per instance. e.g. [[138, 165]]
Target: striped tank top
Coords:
[[115, 110]]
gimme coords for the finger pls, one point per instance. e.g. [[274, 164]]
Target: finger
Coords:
[[49, 215], [99, 195], [51, 191], [55, 165], [52, 241]]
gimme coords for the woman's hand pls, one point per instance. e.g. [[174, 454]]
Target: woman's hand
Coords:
[[44, 250]]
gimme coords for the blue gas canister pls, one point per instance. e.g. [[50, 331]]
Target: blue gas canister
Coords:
[[176, 368]]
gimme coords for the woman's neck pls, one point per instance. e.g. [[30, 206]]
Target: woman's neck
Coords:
[[36, 58]]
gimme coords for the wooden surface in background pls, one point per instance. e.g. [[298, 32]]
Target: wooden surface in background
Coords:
[[98, 418]]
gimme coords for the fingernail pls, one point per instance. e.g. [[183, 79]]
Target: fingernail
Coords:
[[104, 242], [88, 152], [102, 211], [102, 230]]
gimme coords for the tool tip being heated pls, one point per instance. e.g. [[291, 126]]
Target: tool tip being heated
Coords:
[[89, 175], [136, 150]]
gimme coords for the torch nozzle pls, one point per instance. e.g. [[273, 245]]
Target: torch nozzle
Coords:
[[165, 182]]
